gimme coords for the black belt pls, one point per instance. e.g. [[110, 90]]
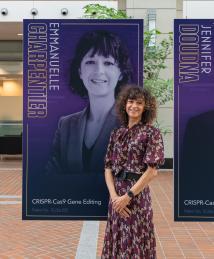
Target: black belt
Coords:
[[126, 175]]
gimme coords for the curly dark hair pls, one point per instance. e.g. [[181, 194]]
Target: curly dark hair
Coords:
[[103, 43], [134, 92]]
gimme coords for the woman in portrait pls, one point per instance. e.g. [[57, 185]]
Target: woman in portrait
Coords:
[[134, 152], [99, 69]]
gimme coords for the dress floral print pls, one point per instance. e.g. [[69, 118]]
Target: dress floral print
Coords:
[[132, 150]]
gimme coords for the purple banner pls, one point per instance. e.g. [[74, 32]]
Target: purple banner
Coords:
[[194, 120], [73, 71]]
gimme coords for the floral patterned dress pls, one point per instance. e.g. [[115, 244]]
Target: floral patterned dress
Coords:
[[132, 150]]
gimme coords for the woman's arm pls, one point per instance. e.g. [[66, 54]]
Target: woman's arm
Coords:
[[146, 178], [125, 212], [110, 183]]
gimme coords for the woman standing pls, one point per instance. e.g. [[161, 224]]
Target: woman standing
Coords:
[[134, 152]]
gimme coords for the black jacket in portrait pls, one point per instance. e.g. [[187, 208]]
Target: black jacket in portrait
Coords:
[[69, 155], [196, 174]]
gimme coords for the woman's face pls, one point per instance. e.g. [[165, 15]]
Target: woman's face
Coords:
[[135, 108], [99, 74]]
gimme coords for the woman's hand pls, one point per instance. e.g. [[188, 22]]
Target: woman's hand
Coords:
[[125, 213], [113, 198], [120, 203]]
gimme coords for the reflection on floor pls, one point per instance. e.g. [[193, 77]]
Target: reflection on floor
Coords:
[[69, 239]]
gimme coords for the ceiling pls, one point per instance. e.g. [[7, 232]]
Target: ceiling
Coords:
[[11, 24]]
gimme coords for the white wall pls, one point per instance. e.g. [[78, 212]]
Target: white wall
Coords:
[[19, 10], [198, 9], [11, 88], [11, 108]]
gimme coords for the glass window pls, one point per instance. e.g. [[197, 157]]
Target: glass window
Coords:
[[151, 24]]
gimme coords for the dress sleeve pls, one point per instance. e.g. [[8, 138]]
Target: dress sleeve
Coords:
[[154, 155], [109, 153]]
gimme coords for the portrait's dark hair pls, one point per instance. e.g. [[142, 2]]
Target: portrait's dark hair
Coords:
[[135, 92], [103, 43]]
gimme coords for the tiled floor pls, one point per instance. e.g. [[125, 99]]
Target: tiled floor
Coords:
[[60, 239]]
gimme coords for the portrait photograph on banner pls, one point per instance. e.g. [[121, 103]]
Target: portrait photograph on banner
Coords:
[[194, 120], [73, 71]]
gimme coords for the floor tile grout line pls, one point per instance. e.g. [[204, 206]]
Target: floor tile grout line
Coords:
[[156, 231], [186, 228], [169, 200], [171, 186], [9, 202], [181, 250], [202, 229], [10, 169], [2, 196]]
